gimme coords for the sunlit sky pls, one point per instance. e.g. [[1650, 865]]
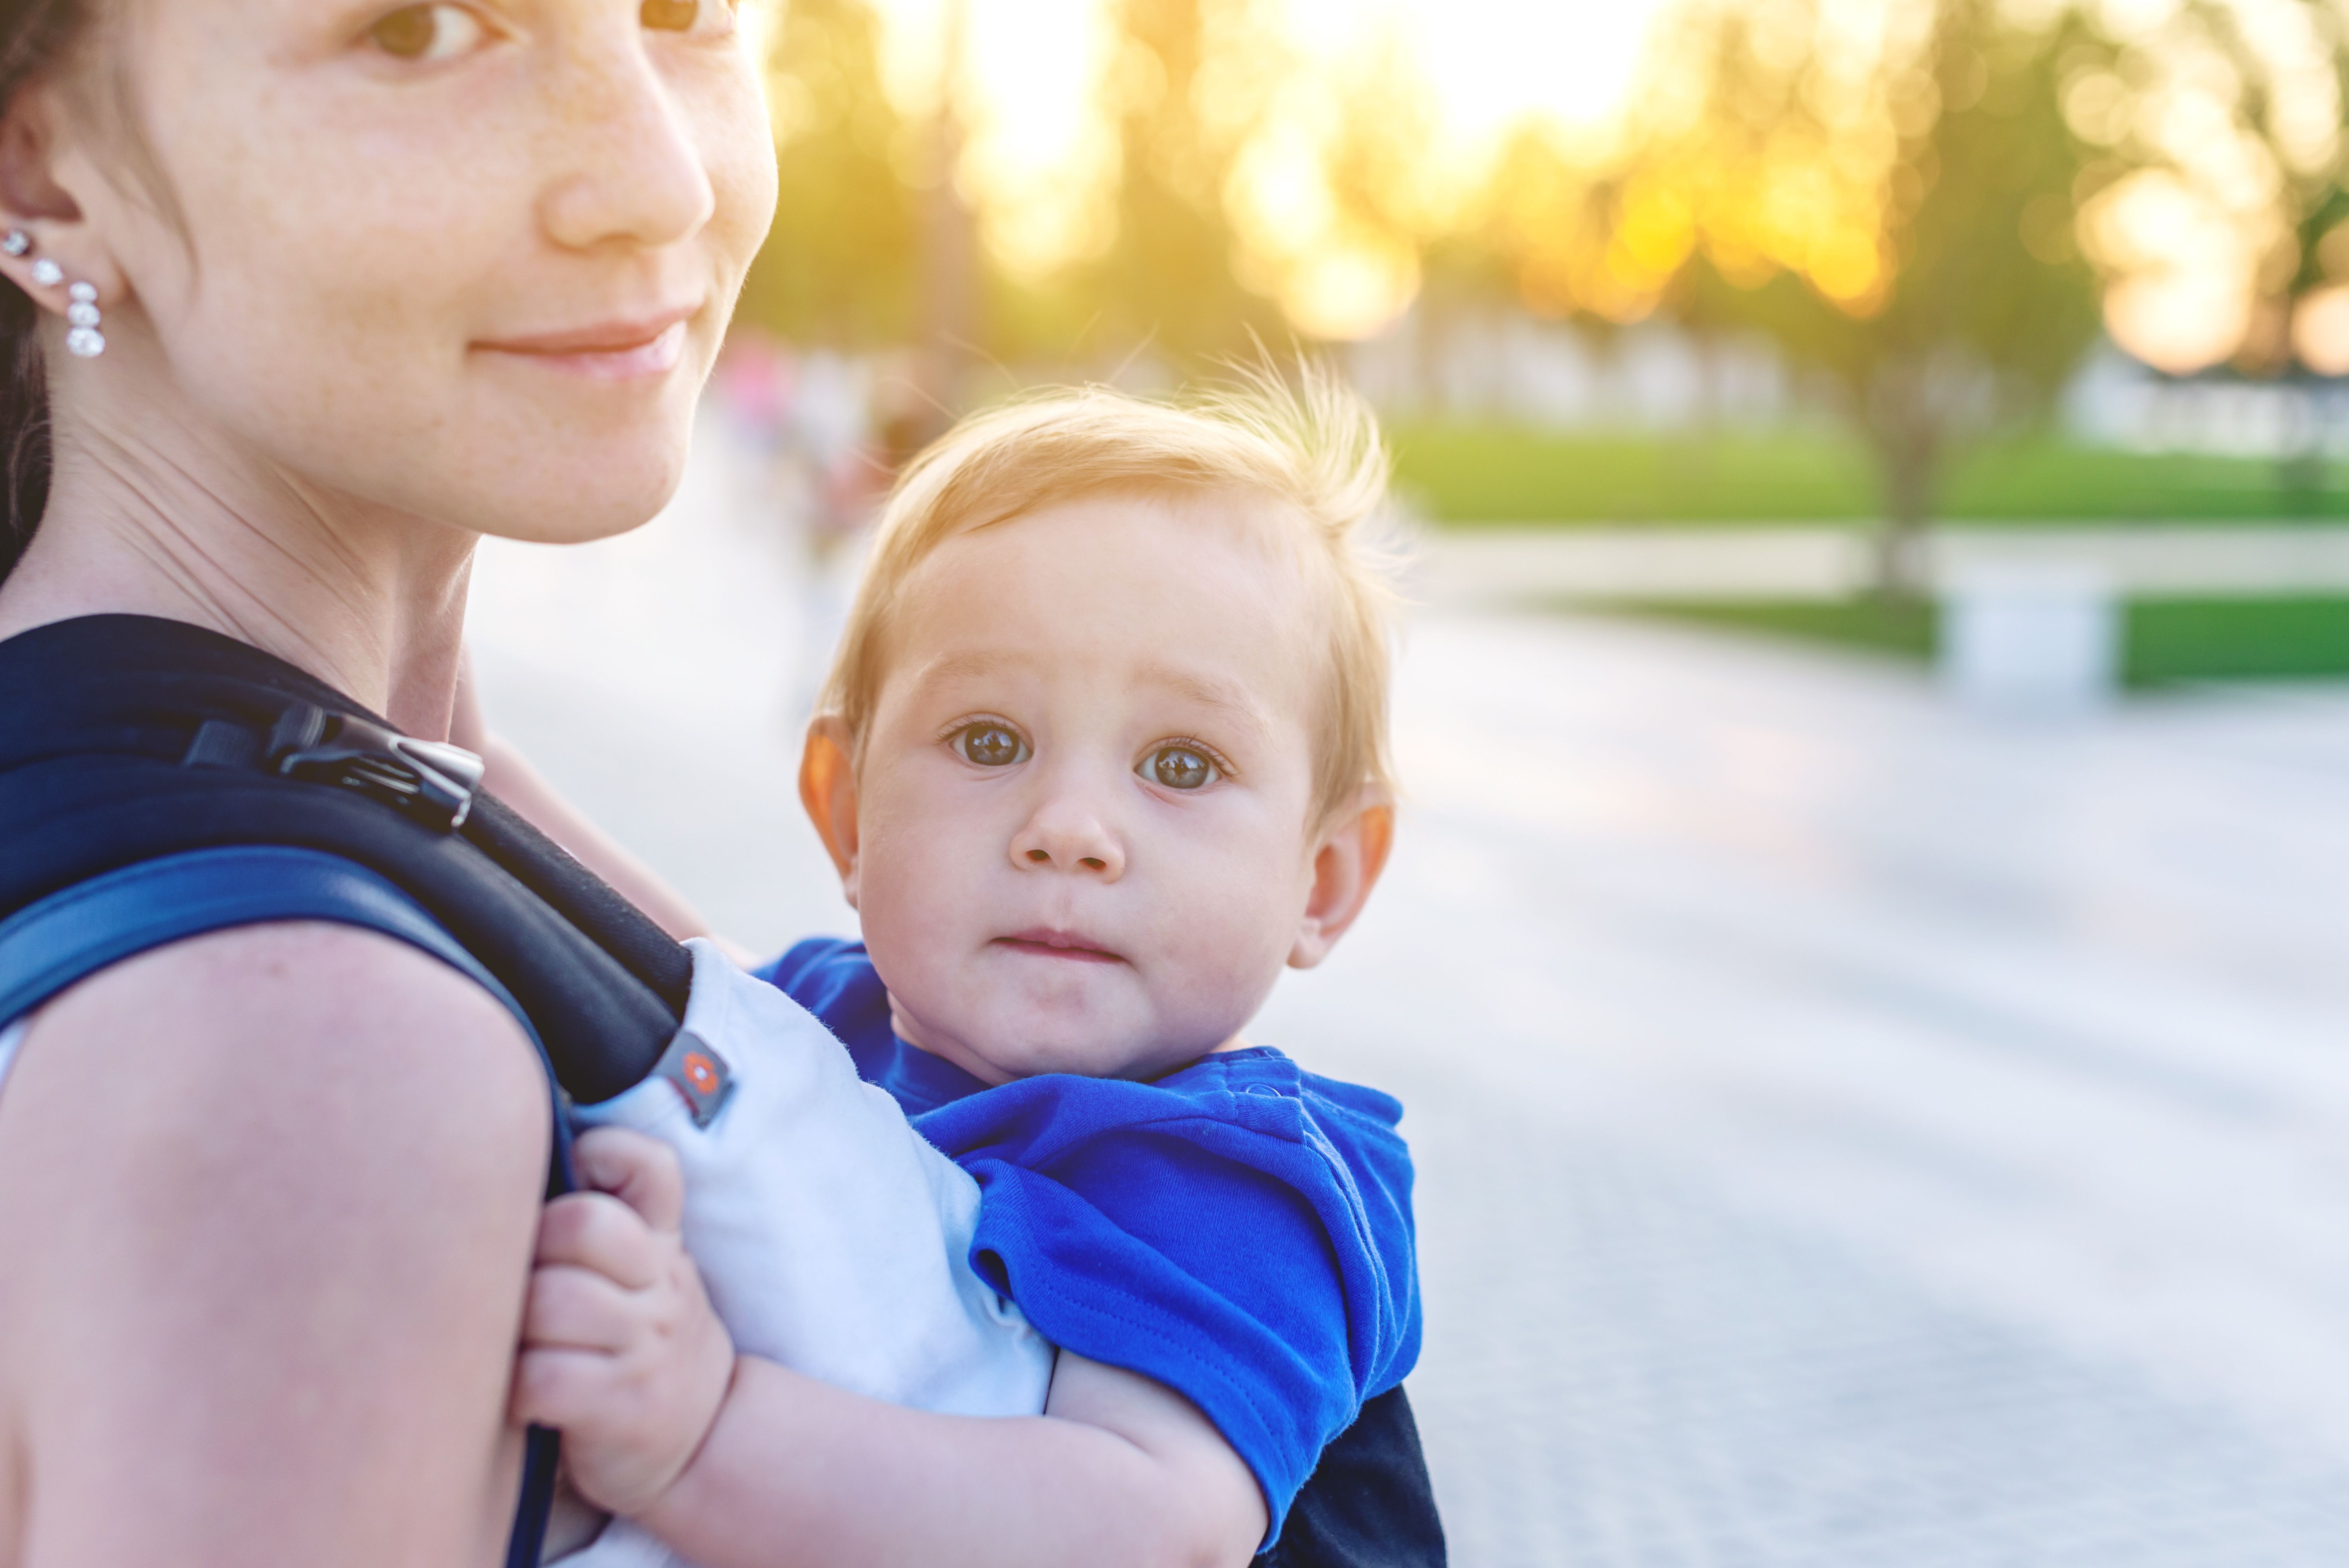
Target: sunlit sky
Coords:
[[1034, 68], [1491, 62], [1036, 165]]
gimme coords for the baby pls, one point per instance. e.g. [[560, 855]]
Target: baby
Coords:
[[1102, 751]]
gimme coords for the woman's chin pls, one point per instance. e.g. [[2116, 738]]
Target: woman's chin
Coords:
[[601, 490]]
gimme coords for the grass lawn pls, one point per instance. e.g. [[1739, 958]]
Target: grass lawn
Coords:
[[1498, 474], [2165, 642]]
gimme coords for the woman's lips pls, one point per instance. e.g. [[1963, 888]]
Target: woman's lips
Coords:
[[1049, 943], [612, 350]]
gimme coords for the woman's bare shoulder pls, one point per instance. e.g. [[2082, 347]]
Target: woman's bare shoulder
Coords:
[[281, 1017], [258, 1187]]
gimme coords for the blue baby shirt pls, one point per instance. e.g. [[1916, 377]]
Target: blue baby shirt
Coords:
[[1239, 1230]]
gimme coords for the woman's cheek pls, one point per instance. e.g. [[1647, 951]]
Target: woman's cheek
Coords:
[[738, 152]]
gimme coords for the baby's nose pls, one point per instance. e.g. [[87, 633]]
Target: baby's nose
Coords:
[[1063, 833]]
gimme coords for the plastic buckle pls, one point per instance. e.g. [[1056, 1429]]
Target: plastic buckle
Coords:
[[429, 780]]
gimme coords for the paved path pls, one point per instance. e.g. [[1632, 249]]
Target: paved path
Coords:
[[1524, 563], [1852, 1133]]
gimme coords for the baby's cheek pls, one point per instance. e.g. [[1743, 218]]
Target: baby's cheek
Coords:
[[1231, 953]]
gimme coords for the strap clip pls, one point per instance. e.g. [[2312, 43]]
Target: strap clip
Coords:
[[429, 780]]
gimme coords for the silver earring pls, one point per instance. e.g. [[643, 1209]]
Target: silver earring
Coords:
[[83, 340]]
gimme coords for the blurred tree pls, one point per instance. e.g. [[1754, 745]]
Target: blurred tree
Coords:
[[950, 283], [1182, 106], [1346, 253], [2304, 158], [1903, 229], [2291, 94], [841, 266]]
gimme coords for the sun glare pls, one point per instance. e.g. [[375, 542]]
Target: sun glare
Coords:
[[1037, 164], [2178, 247]]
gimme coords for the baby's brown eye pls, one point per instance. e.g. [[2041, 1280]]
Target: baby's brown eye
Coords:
[[1177, 767], [426, 32], [990, 745], [670, 15]]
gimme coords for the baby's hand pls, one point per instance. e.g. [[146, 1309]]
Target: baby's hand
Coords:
[[620, 1350]]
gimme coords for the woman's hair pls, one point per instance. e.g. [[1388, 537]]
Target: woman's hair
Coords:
[[36, 35], [1313, 450]]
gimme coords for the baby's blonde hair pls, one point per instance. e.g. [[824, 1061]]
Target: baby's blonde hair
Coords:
[[1313, 449]]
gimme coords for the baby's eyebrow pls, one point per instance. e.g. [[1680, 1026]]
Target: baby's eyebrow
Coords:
[[969, 665], [1222, 696]]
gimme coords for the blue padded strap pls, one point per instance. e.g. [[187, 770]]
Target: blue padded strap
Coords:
[[71, 935]]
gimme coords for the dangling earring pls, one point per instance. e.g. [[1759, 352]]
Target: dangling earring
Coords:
[[83, 340]]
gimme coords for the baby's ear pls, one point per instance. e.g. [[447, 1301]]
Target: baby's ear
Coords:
[[828, 790], [1346, 867]]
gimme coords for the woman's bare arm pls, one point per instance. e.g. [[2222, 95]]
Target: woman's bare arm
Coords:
[[267, 1200]]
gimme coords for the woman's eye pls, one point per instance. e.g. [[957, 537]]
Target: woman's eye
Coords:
[[427, 32], [684, 16], [990, 745], [1177, 767]]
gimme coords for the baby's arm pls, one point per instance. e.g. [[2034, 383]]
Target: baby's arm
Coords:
[[736, 1462]]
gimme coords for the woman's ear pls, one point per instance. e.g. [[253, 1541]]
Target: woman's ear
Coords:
[[1346, 867], [828, 790], [35, 201]]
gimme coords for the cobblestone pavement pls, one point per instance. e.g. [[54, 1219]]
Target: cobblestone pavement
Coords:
[[1852, 1132]]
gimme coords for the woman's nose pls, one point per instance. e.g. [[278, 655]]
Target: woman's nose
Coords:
[[632, 174], [1066, 834]]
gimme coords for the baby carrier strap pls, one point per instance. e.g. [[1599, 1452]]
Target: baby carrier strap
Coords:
[[127, 740], [71, 935], [158, 781]]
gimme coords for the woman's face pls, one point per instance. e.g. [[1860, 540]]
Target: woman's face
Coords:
[[464, 260]]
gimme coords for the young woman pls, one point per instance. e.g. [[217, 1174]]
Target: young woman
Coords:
[[303, 297]]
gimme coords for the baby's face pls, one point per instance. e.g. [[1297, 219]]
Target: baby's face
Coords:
[[1083, 812]]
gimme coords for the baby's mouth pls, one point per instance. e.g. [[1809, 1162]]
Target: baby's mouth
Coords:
[[1046, 942]]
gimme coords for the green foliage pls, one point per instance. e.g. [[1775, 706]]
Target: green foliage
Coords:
[[2174, 640], [1485, 474], [1903, 628], [1167, 283], [840, 265], [1489, 474], [1988, 308], [2164, 641]]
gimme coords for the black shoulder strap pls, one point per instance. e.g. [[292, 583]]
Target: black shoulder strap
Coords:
[[1369, 1503], [126, 739]]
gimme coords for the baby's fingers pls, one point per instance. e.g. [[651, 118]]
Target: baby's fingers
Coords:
[[596, 1230], [579, 1309], [640, 1172], [562, 1388]]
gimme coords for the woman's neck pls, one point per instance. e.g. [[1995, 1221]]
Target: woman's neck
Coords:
[[179, 525]]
